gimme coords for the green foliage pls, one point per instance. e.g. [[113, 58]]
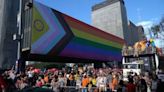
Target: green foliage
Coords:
[[158, 29], [155, 29]]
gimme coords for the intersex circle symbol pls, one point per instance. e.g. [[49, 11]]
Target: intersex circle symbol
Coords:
[[38, 25]]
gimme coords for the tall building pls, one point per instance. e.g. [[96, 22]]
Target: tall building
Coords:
[[132, 33], [141, 33], [8, 27], [111, 17], [135, 33]]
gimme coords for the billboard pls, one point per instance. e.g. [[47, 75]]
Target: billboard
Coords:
[[55, 34]]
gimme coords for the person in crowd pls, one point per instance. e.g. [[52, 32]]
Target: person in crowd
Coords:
[[46, 78], [30, 74], [160, 86], [114, 82], [136, 79], [23, 83], [85, 82], [97, 80], [121, 87], [10, 84], [71, 79], [43, 80], [120, 76], [39, 83], [65, 79], [12, 74], [55, 84], [94, 81], [78, 80], [2, 84], [102, 82], [131, 86], [142, 86], [148, 79], [90, 85], [154, 83], [109, 81], [18, 83], [61, 82]]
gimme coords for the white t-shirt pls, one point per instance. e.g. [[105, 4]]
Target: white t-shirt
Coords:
[[101, 81], [30, 74], [12, 75]]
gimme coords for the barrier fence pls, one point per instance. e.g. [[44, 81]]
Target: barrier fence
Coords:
[[80, 89]]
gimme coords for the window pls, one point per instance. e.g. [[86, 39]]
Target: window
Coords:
[[130, 66]]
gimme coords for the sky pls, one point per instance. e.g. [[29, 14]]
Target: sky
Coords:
[[140, 12]]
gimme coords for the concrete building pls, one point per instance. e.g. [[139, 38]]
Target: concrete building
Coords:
[[135, 33], [8, 26], [141, 33], [111, 17], [132, 33]]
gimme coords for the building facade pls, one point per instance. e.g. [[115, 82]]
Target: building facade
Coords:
[[132, 33], [141, 32], [135, 33], [111, 17], [8, 27]]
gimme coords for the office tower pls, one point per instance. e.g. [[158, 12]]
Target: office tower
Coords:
[[111, 17], [141, 32], [8, 27]]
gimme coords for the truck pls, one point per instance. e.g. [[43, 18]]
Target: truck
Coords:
[[141, 58], [131, 68]]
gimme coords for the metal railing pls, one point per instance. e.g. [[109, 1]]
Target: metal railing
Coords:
[[81, 89], [148, 50], [162, 50]]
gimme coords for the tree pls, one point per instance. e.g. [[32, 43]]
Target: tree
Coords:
[[158, 30], [155, 29], [162, 24]]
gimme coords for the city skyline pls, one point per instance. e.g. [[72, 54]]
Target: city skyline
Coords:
[[138, 11]]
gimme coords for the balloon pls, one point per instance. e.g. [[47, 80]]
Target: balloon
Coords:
[[153, 44], [147, 44], [151, 40], [36, 70], [136, 45], [141, 45]]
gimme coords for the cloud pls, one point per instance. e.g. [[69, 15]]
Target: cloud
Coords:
[[145, 24], [139, 14], [155, 19]]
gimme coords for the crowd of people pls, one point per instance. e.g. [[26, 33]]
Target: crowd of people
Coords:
[[80, 80]]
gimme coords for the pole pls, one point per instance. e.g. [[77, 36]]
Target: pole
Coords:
[[19, 34]]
